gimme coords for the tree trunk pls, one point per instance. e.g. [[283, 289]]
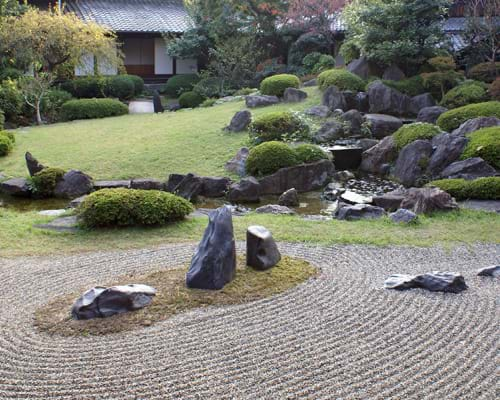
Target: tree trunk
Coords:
[[38, 114]]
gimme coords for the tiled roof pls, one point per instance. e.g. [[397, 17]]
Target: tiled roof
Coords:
[[133, 15]]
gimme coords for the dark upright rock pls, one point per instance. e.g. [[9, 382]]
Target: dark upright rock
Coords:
[[189, 187], [364, 68], [383, 125], [290, 198], [240, 121], [246, 191], [262, 251], [430, 114], [293, 95], [214, 186], [329, 132], [73, 184], [448, 149], [376, 159], [32, 163], [420, 102], [333, 99], [157, 106], [386, 100], [412, 162]]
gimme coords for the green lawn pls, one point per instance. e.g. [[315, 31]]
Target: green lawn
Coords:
[[136, 146]]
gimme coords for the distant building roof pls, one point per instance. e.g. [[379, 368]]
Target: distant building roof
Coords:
[[158, 16]]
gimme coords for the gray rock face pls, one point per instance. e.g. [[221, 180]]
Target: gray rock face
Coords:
[[147, 184], [310, 83], [98, 185], [76, 202], [214, 186], [356, 100], [376, 159], [32, 163], [386, 100], [333, 99], [187, 186], [471, 168], [73, 184], [237, 164], [274, 209], [383, 125], [355, 198], [343, 176], [329, 132], [16, 187], [360, 211], [420, 102], [363, 68], [240, 121], [262, 251], [304, 178], [260, 101], [448, 149], [355, 121], [475, 124], [101, 302], [403, 216], [430, 114], [366, 143], [393, 73], [157, 106], [318, 111], [412, 162], [290, 198], [493, 270], [447, 282], [292, 95], [390, 201], [248, 190], [214, 262], [427, 200]]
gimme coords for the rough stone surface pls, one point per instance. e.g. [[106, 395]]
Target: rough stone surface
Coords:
[[61, 224], [240, 121], [157, 106], [187, 186], [274, 209], [248, 190], [383, 125], [448, 149], [310, 83], [73, 184], [448, 282], [410, 165], [356, 100], [98, 185], [393, 73], [470, 168], [355, 198], [360, 211], [292, 95], [430, 114], [290, 198], [260, 101], [101, 302], [214, 186], [76, 202], [329, 132], [237, 164], [427, 200], [420, 102], [32, 163], [18, 187], [390, 201], [214, 262], [493, 270], [262, 251], [386, 100], [355, 121], [318, 111], [363, 68], [475, 124], [343, 176], [147, 184], [376, 159], [366, 143], [304, 178], [403, 216], [333, 99]]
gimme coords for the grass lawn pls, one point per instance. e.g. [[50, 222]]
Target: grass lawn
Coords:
[[134, 146]]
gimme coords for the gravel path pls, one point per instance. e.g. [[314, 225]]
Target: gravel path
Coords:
[[340, 336]]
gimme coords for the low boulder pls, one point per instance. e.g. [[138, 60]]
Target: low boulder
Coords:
[[360, 211], [157, 105], [214, 186], [427, 200], [386, 100], [420, 102], [383, 125], [290, 198], [475, 124], [412, 162], [292, 95], [356, 100], [390, 201], [274, 209], [355, 198], [73, 184], [367, 143], [469, 169], [376, 160], [262, 251], [333, 99], [318, 111], [188, 186], [430, 114], [237, 164], [403, 216], [248, 190], [147, 184], [32, 163], [98, 185], [17, 187], [240, 121], [493, 270], [448, 282], [448, 149], [329, 132], [255, 100]]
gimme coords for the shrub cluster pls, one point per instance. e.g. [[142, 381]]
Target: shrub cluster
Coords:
[[485, 72], [128, 207], [442, 63], [92, 108], [469, 92], [179, 84], [44, 182], [276, 85], [278, 125], [11, 100], [439, 83], [484, 143], [494, 89], [121, 86], [412, 86], [316, 62], [2, 120], [452, 119], [342, 79], [52, 102], [461, 189], [309, 153], [416, 131], [268, 157], [190, 100], [7, 140], [86, 87]]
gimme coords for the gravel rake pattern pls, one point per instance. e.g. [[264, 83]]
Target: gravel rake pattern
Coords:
[[339, 336]]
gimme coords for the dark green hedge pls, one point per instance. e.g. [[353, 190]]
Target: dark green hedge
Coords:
[[269, 157], [278, 125], [452, 119], [92, 108], [276, 85], [461, 189]]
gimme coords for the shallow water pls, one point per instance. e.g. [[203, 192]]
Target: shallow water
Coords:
[[20, 204]]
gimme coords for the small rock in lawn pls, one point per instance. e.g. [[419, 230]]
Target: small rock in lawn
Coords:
[[403, 216], [290, 198], [292, 95], [493, 271], [262, 251], [360, 211], [260, 101], [318, 111], [274, 209], [240, 121]]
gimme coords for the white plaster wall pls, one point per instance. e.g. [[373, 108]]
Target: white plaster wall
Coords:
[[164, 64]]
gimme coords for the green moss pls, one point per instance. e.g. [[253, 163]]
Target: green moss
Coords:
[[416, 131], [461, 189], [309, 153], [484, 143], [342, 79], [279, 125], [411, 86], [452, 119], [45, 181], [269, 157], [469, 92], [92, 108], [276, 85], [190, 100]]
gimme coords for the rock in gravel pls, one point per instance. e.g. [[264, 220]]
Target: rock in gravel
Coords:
[[386, 100], [448, 282], [290, 198], [237, 164], [475, 124], [427, 200], [262, 251], [240, 121], [403, 216], [18, 187], [260, 101], [383, 125], [376, 159], [147, 184], [292, 95], [101, 302], [73, 184], [430, 114], [32, 163], [412, 162], [333, 99], [318, 111], [274, 209], [471, 168], [493, 270], [248, 190], [360, 211], [214, 262]]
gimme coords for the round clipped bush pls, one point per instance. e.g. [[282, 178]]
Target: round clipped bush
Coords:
[[85, 87], [342, 79], [461, 189], [44, 182], [179, 84], [416, 131], [128, 207], [10, 135], [494, 89], [279, 125], [485, 72], [120, 86], [452, 119], [469, 92], [484, 143], [276, 85], [6, 145], [309, 153], [190, 100], [269, 157], [92, 108], [138, 84]]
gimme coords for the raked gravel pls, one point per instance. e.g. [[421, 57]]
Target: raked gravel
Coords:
[[339, 336]]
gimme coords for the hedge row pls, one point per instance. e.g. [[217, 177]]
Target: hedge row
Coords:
[[452, 119], [123, 87], [92, 108]]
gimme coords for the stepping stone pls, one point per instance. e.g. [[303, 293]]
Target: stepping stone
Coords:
[[61, 224], [52, 213]]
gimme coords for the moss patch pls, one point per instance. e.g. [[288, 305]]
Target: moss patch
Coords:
[[173, 297]]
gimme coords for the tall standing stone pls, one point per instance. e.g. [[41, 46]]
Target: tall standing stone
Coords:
[[32, 163], [157, 106], [262, 251]]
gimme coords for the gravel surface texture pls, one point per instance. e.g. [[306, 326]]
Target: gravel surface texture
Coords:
[[339, 336]]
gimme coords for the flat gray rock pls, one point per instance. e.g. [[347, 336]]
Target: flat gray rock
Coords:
[[448, 282], [61, 224], [403, 216], [360, 211], [98, 185], [355, 198], [493, 270], [274, 209], [260, 101], [52, 213]]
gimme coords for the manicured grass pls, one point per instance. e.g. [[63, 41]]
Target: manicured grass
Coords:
[[18, 237], [135, 146]]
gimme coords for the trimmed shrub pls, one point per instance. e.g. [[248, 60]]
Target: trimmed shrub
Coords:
[[469, 92], [276, 85], [279, 125], [87, 87], [120, 86], [11, 100], [10, 135], [461, 189], [6, 145], [269, 157], [442, 63], [310, 60], [208, 103], [129, 207], [342, 79], [190, 100], [494, 90], [52, 103], [416, 131], [92, 108], [439, 83], [2, 120], [324, 63], [412, 86], [484, 143], [452, 119], [44, 182], [180, 84], [485, 72], [138, 84], [309, 153]]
